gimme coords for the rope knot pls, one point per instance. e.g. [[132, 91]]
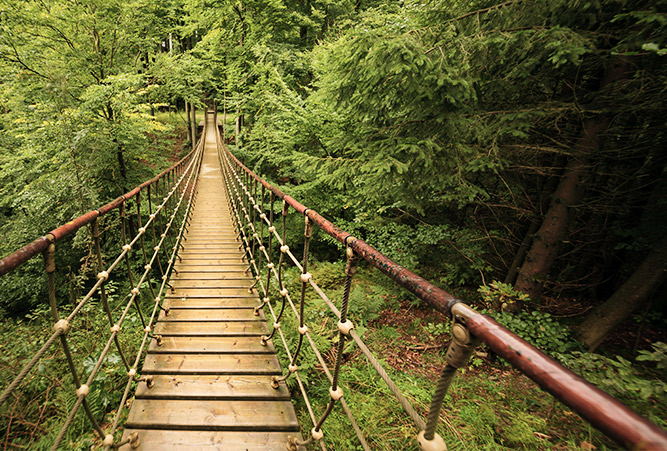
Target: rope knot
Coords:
[[108, 440], [335, 394], [345, 327], [82, 391], [61, 326], [435, 444]]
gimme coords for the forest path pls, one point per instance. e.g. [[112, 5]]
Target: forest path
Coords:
[[212, 375]]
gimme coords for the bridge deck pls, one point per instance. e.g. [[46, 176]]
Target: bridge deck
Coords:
[[212, 376]]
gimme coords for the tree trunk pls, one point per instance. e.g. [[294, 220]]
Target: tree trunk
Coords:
[[187, 120], [544, 249], [121, 159], [634, 293], [521, 253], [193, 125], [239, 124]]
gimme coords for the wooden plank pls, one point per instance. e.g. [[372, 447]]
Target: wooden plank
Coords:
[[223, 282], [151, 439], [213, 415], [213, 261], [223, 239], [212, 388], [214, 302], [193, 295], [227, 251], [209, 247], [208, 254], [219, 364], [209, 292], [199, 266], [221, 314], [210, 345], [227, 288], [213, 329], [193, 277]]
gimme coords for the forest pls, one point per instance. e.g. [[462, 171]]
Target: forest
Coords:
[[507, 151]]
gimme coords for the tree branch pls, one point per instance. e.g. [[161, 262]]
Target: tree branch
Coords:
[[486, 10]]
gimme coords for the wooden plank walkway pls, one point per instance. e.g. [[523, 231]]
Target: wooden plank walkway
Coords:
[[212, 376]]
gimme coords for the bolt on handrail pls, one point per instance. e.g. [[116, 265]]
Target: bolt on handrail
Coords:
[[179, 179], [470, 327]]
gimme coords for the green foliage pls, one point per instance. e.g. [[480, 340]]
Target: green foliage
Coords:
[[618, 377], [658, 355], [437, 329], [539, 329], [432, 130], [501, 296]]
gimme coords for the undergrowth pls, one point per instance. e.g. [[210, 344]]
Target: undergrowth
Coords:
[[489, 405]]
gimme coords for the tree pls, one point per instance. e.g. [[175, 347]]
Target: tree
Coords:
[[635, 292]]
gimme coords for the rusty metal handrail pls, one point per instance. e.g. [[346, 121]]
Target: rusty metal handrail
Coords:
[[17, 258], [601, 410]]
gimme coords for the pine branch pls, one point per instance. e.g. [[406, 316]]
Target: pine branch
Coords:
[[486, 10]]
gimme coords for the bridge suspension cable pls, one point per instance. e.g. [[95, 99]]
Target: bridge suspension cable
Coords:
[[248, 193]]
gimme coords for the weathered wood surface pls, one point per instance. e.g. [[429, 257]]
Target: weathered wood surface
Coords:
[[212, 375], [198, 440], [207, 387], [212, 415], [206, 345]]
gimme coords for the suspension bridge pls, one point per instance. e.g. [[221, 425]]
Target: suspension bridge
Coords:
[[212, 241]]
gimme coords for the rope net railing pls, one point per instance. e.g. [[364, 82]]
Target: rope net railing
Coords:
[[264, 239], [153, 239]]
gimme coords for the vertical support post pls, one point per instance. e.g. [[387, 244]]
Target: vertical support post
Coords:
[[50, 268], [460, 348]]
